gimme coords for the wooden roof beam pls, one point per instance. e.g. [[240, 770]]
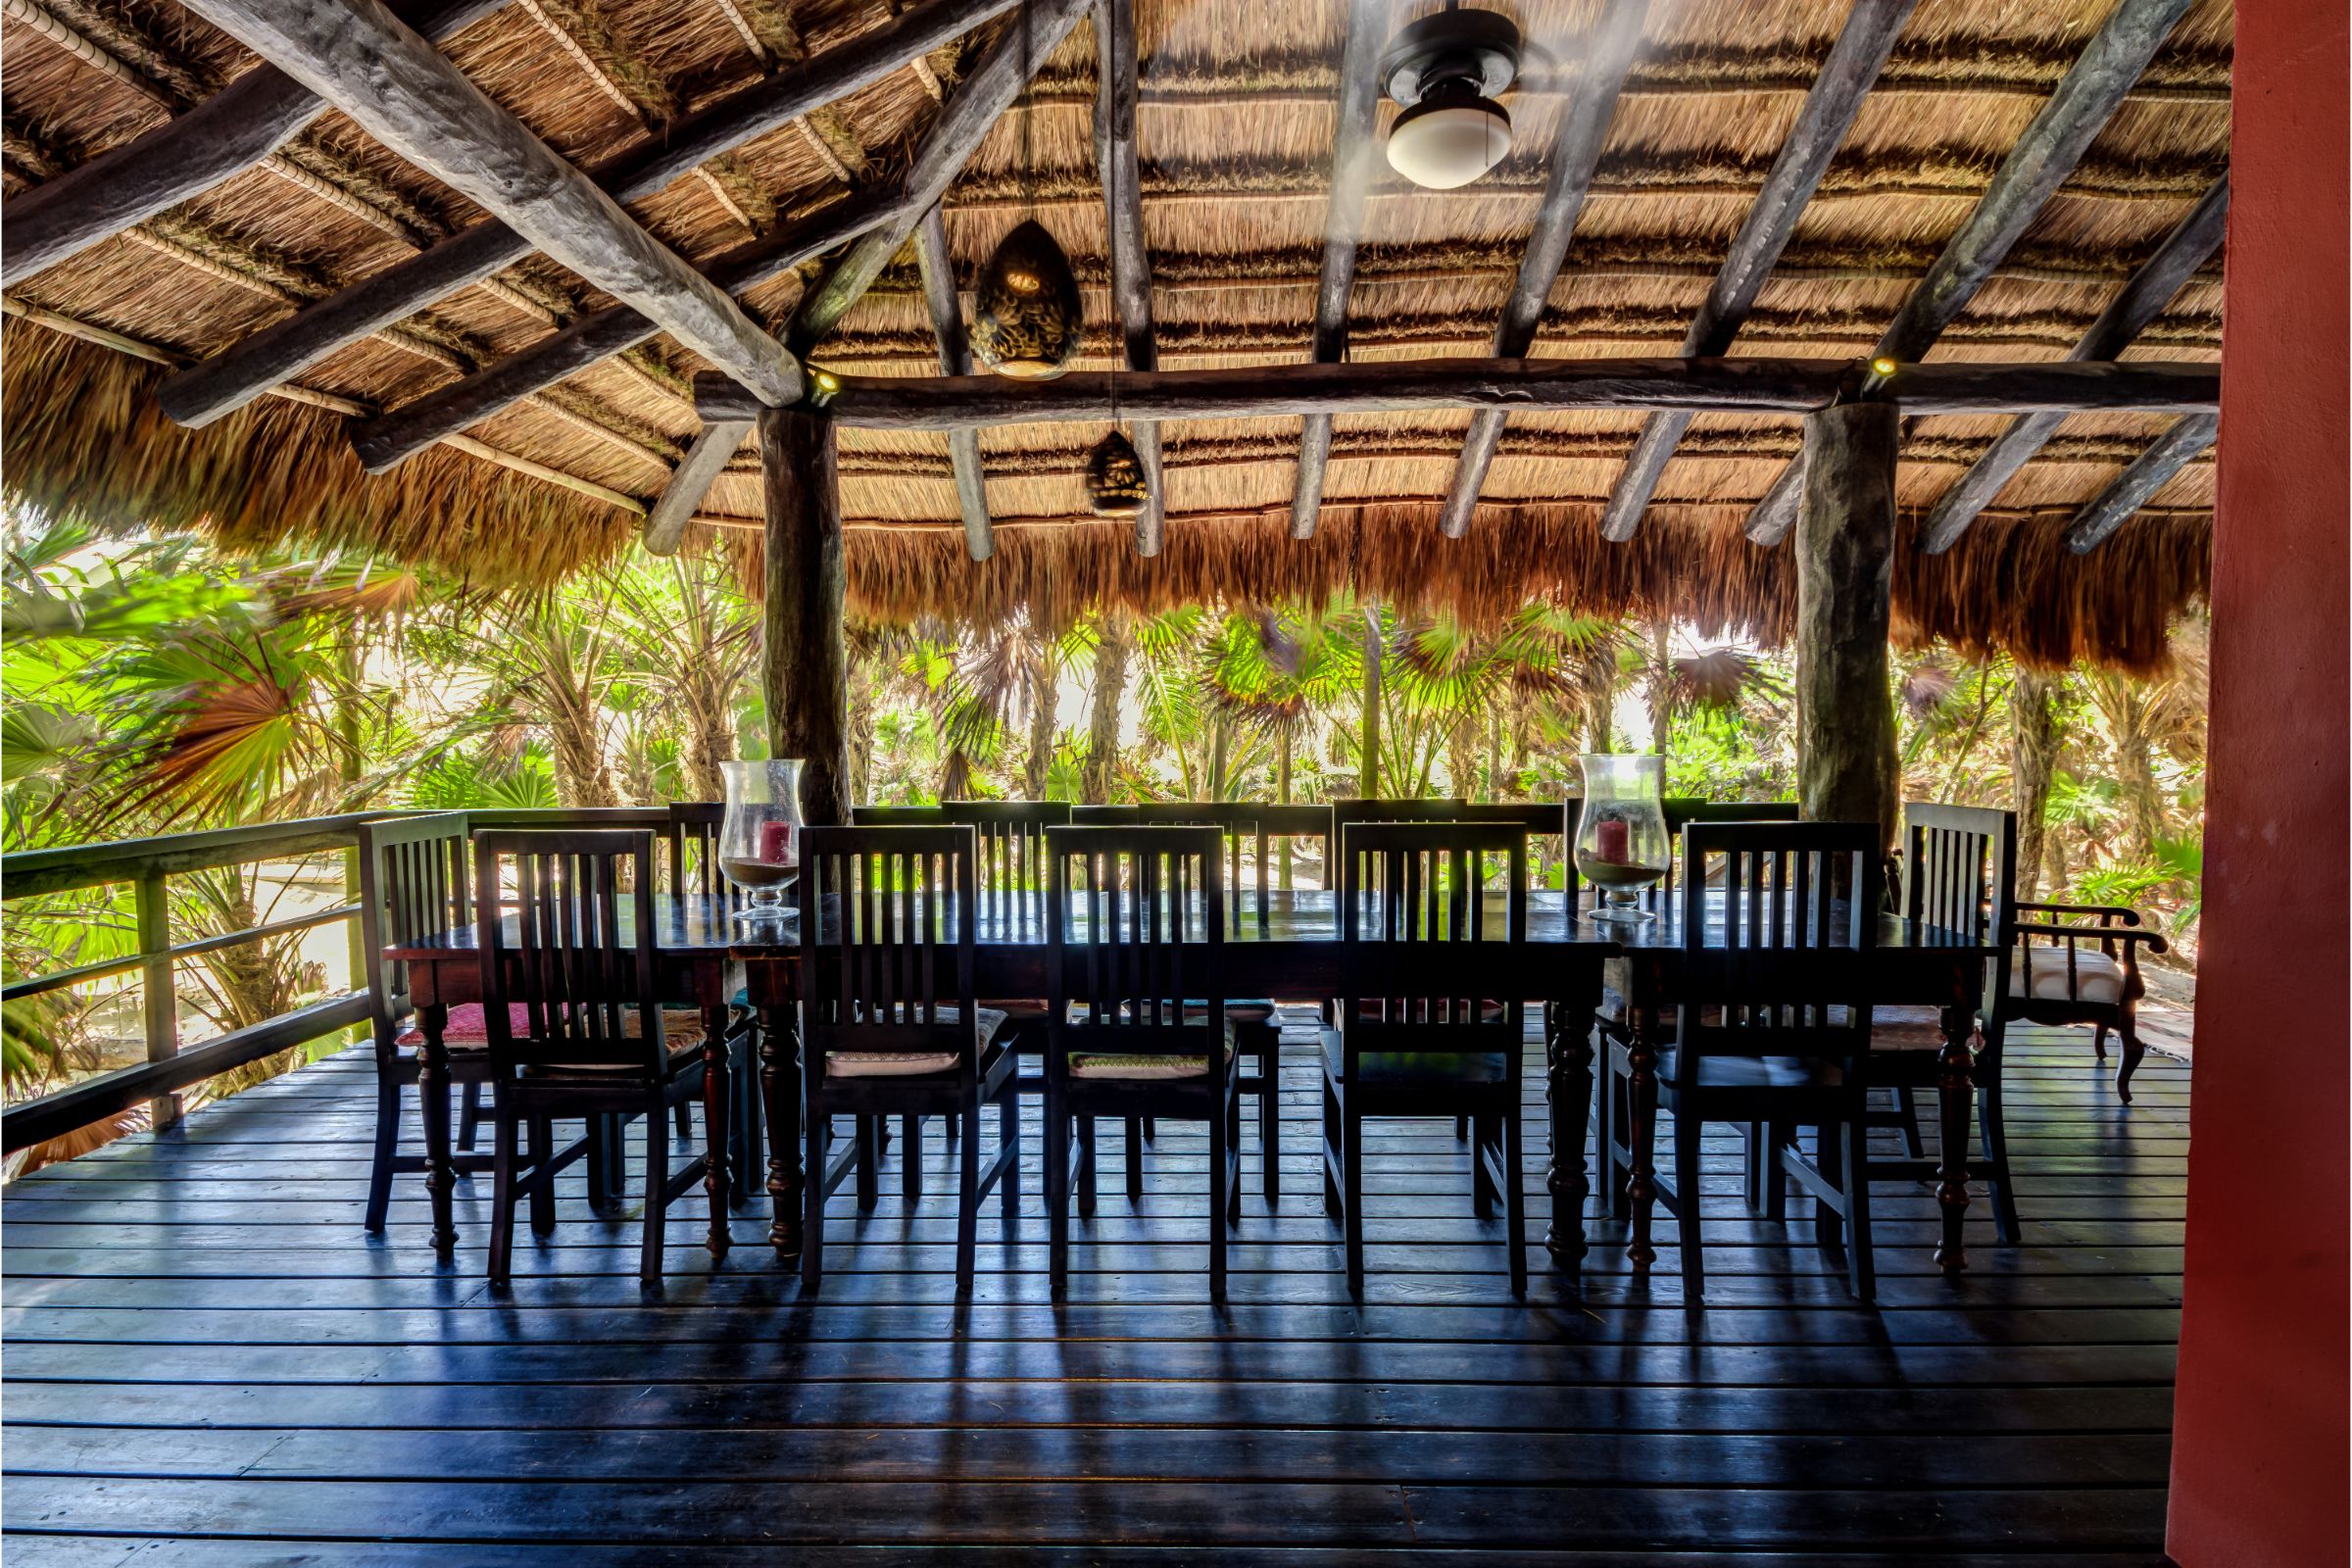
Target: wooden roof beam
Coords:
[[231, 380], [229, 132], [1608, 54], [404, 92], [1853, 65], [876, 222], [2079, 109], [946, 305], [2131, 489], [1353, 147], [2143, 299], [1123, 212], [1727, 386]]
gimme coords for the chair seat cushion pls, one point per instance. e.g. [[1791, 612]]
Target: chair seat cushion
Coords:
[[685, 1050], [2099, 979], [911, 1064], [468, 1028], [1143, 1067], [1751, 1073], [1025, 1009], [1418, 1066]]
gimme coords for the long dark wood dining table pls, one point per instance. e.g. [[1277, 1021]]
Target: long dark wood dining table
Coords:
[[1286, 947]]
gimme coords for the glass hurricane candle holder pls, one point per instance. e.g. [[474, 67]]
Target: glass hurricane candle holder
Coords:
[[760, 838], [1620, 842]]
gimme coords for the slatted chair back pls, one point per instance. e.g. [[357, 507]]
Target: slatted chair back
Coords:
[[580, 960], [1135, 924], [1959, 869], [1407, 891], [886, 943], [1681, 811], [897, 815], [413, 883], [1779, 920], [691, 848], [1010, 869], [1277, 826], [1237, 822], [1534, 818]]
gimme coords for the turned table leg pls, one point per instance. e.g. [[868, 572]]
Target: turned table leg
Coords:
[[1568, 1093], [1642, 1094], [1954, 1068], [780, 1083], [718, 1128], [432, 1096]]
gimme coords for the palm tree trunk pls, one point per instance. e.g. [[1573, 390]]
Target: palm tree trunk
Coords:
[[1103, 732], [1661, 682], [569, 708], [2034, 724], [1220, 755], [1600, 695], [2134, 764], [1367, 764], [1282, 785], [1045, 703]]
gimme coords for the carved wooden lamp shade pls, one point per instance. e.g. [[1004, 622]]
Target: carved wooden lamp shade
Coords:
[[1116, 482], [1026, 316]]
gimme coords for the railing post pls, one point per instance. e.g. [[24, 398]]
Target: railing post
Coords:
[[159, 999]]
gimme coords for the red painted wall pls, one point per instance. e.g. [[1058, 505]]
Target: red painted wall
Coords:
[[2259, 1455]]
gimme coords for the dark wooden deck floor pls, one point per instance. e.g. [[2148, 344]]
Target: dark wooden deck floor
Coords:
[[209, 1363]]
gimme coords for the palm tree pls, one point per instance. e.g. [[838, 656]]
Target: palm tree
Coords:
[[1112, 650], [2034, 757]]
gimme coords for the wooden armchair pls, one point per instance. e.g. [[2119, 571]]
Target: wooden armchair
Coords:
[[2079, 963]]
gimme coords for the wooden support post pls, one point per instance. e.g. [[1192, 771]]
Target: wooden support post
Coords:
[[805, 672], [1845, 762], [159, 998]]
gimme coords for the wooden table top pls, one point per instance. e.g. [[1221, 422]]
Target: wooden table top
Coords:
[[700, 925]]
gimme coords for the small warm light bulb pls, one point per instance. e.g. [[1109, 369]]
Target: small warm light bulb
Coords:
[[825, 381], [1883, 365], [1021, 282]]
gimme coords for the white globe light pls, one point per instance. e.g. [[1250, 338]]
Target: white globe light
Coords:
[[1442, 143]]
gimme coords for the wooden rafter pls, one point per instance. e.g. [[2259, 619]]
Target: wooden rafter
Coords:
[[704, 460], [229, 132], [1727, 386], [1853, 64], [233, 377], [1608, 54], [1130, 261], [1353, 150], [946, 305], [2185, 249], [2085, 100], [2131, 489], [877, 221]]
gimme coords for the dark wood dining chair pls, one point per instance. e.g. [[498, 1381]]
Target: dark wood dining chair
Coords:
[[577, 1025], [890, 1023], [1771, 1025], [1256, 1032], [1406, 1044], [690, 851], [1136, 1025], [415, 883], [2062, 964]]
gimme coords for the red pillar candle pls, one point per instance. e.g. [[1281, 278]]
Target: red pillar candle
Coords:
[[1613, 840], [775, 844]]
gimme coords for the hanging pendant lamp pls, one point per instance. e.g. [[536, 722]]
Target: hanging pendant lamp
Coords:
[[1025, 312], [1116, 482]]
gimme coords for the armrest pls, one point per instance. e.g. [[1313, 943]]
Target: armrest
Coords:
[[2131, 939], [2105, 912]]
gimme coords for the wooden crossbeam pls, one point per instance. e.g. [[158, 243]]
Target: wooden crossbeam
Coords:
[[1846, 75], [1130, 262], [946, 304], [875, 223], [282, 350], [2080, 107], [704, 460], [1700, 386], [1608, 54], [1354, 159], [2131, 489], [2143, 299], [233, 130], [404, 92]]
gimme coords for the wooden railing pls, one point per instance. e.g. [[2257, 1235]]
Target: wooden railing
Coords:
[[147, 865]]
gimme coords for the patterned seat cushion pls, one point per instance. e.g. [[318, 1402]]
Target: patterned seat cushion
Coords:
[[1140, 1067], [2098, 978], [911, 1064], [469, 1027], [1419, 1066]]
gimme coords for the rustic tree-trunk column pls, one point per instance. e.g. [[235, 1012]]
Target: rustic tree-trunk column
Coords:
[[2036, 724], [806, 662], [1845, 761]]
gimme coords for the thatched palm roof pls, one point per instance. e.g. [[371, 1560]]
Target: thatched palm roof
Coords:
[[1234, 128]]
